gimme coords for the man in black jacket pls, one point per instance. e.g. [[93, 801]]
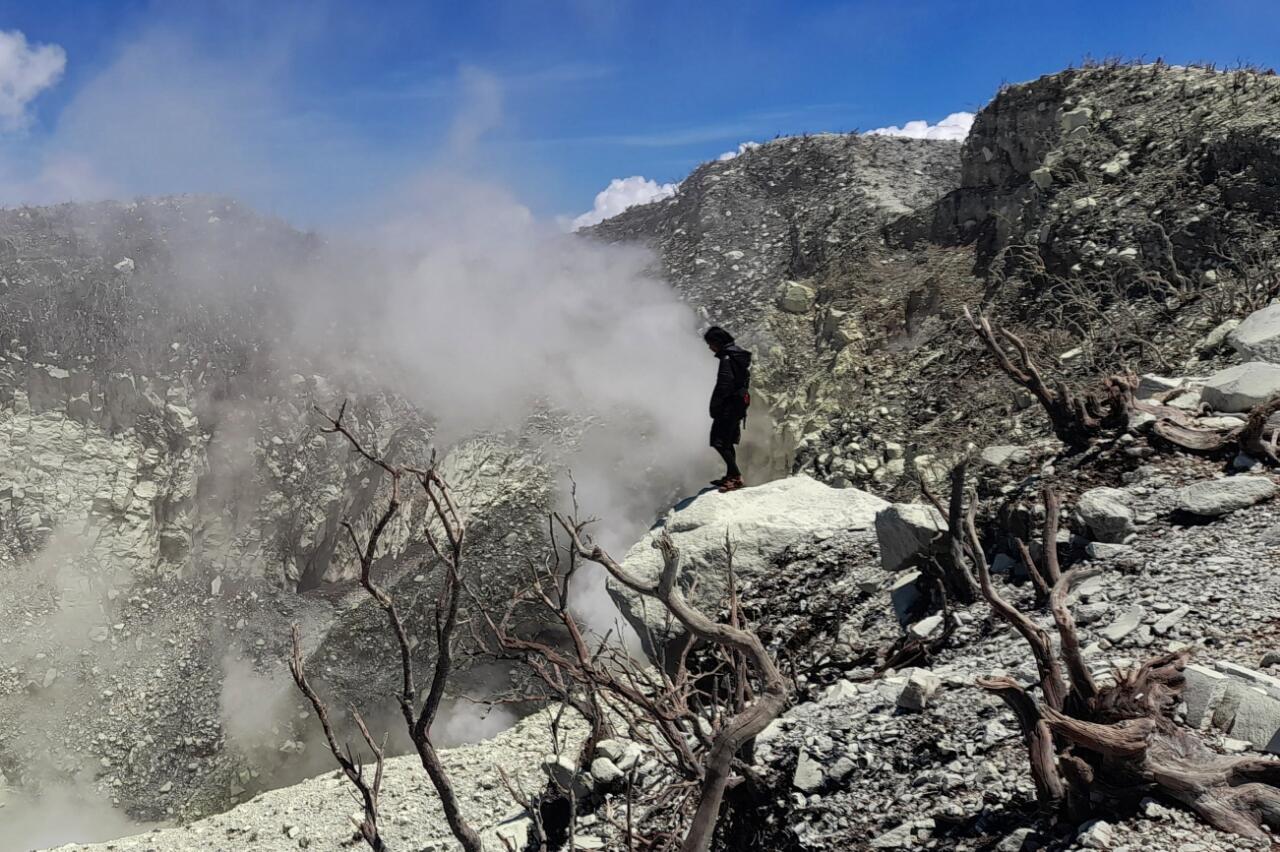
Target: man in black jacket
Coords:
[[729, 403]]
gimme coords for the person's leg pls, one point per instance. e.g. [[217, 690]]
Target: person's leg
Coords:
[[729, 453]]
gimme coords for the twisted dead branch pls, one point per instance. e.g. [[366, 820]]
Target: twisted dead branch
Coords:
[[740, 729], [1077, 420]]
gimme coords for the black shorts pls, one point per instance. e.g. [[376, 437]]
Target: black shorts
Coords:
[[726, 431]]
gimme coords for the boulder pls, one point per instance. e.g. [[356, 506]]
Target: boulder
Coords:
[[606, 773], [761, 522], [1258, 337], [809, 774], [921, 686], [1106, 512], [1213, 341], [905, 531], [1242, 387], [1257, 719], [796, 298], [1202, 692], [1213, 497], [904, 593], [1076, 118], [1004, 454]]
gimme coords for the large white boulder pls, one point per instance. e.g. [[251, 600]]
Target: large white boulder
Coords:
[[1242, 387], [761, 522], [1258, 337]]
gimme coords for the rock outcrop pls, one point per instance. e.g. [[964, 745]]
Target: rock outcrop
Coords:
[[759, 523]]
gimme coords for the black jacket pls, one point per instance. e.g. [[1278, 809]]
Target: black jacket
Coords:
[[733, 379]]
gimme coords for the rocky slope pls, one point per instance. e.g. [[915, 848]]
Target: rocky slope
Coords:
[[169, 505], [1115, 216]]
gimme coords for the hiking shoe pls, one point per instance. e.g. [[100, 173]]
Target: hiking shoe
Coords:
[[721, 481], [733, 483]]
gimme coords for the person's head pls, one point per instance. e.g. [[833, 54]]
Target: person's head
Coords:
[[717, 338]]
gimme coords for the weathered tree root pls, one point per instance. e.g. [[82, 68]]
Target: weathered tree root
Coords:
[[1077, 420], [1257, 437], [1083, 738]]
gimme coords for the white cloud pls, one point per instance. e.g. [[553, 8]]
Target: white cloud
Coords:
[[743, 148], [26, 70], [622, 193], [955, 127]]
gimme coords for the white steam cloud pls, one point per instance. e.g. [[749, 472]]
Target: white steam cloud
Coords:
[[26, 70], [457, 296], [742, 148], [622, 193], [954, 127]]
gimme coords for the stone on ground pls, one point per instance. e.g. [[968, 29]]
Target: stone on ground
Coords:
[[1258, 337], [1106, 512], [1242, 387], [1214, 497], [905, 531]]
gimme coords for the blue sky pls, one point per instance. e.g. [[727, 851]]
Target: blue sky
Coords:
[[306, 109]]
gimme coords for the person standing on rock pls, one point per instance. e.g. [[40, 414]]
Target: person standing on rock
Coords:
[[729, 402]]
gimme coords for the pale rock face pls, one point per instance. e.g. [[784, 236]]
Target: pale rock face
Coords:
[[1257, 338], [761, 522], [1214, 497], [1242, 387]]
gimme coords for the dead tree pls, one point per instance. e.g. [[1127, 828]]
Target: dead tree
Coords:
[[1257, 436], [1088, 740], [679, 709], [1077, 420], [418, 718], [351, 765], [716, 763]]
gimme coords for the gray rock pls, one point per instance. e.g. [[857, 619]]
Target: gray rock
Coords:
[[1124, 625], [796, 298], [809, 774], [605, 772], [762, 522], [1247, 675], [1168, 622], [1258, 337], [905, 531], [1097, 834], [1102, 550], [623, 754], [1213, 497], [921, 686], [1150, 384], [904, 593], [1106, 512], [1076, 118], [1005, 454], [1242, 387], [1257, 720], [926, 627], [1212, 341]]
